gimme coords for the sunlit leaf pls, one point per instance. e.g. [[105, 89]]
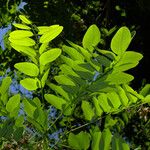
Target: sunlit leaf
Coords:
[[80, 141], [55, 101], [23, 42], [13, 103], [121, 41], [52, 33], [29, 84], [62, 79], [91, 38], [59, 90], [123, 97], [145, 90], [20, 34], [24, 49], [43, 48], [114, 99], [50, 56], [105, 140], [29, 107], [44, 29], [103, 102], [27, 68], [24, 19], [21, 26], [98, 109], [5, 85], [73, 53], [44, 78], [96, 136], [119, 78], [87, 110]]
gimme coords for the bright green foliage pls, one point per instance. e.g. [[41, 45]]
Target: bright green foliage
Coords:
[[87, 110], [79, 141], [24, 19], [13, 103], [55, 101], [52, 32], [121, 41], [29, 83], [49, 56], [21, 26], [90, 84], [22, 42], [91, 38], [27, 68]]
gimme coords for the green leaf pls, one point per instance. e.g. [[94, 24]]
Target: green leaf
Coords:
[[24, 19], [29, 84], [23, 42], [80, 141], [98, 109], [91, 38], [119, 78], [20, 34], [121, 41], [128, 60], [59, 90], [13, 103], [105, 140], [96, 136], [27, 68], [87, 110], [44, 78], [64, 80], [5, 85], [21, 26], [55, 101], [50, 56], [103, 102], [43, 48], [24, 49], [52, 33], [115, 143], [73, 53], [19, 121], [29, 107], [114, 99], [145, 90], [45, 29], [123, 97]]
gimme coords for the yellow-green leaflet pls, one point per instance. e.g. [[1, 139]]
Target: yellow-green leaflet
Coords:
[[24, 49], [19, 34], [51, 34], [29, 84], [21, 26], [13, 103], [49, 56], [43, 48], [88, 111], [121, 40], [44, 29], [55, 101], [23, 42], [27, 68], [24, 19]]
